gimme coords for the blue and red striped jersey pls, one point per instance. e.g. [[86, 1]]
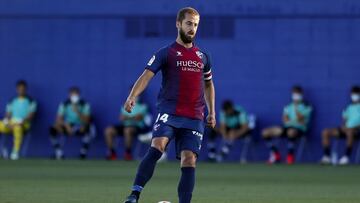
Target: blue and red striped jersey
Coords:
[[183, 73]]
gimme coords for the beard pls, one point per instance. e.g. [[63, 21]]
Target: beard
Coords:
[[185, 38]]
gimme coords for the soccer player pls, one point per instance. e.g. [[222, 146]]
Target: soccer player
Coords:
[[233, 125], [73, 118], [349, 130], [186, 87], [296, 117], [130, 125], [19, 113]]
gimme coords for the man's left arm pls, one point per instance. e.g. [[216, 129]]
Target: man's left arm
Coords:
[[84, 114], [30, 116], [210, 102]]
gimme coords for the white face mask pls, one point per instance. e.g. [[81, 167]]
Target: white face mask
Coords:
[[74, 98], [296, 97], [355, 97]]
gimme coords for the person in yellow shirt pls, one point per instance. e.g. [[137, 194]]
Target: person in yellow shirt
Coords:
[[19, 114]]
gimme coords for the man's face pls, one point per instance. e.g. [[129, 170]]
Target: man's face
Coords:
[[229, 111], [297, 96], [188, 27], [21, 90], [355, 97]]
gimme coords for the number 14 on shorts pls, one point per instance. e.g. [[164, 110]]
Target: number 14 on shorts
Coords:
[[164, 118]]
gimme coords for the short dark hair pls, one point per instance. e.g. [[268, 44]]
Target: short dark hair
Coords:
[[227, 104], [355, 89], [21, 83], [297, 88], [181, 13], [74, 89]]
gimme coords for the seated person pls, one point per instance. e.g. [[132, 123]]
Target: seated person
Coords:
[[233, 125], [19, 114], [349, 130], [296, 117], [130, 125], [73, 118], [212, 134]]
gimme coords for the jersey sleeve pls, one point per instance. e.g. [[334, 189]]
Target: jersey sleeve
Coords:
[[345, 113], [207, 68], [33, 107], [61, 110], [286, 110], [222, 117], [86, 109], [157, 61], [144, 110], [307, 111], [8, 108], [243, 118]]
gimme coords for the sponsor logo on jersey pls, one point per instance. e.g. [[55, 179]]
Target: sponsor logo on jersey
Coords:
[[151, 61], [189, 65], [178, 53], [197, 134], [156, 127]]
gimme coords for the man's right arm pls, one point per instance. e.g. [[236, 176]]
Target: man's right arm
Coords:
[[60, 114], [139, 86], [8, 111]]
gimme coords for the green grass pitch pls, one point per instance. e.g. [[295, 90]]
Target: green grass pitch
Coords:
[[72, 181]]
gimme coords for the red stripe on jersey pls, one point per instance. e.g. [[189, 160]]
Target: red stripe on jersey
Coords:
[[191, 85]]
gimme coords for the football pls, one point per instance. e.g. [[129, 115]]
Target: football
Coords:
[[164, 202]]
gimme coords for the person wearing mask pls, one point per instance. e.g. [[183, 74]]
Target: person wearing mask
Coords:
[[233, 125], [349, 129], [131, 124], [296, 117], [73, 118]]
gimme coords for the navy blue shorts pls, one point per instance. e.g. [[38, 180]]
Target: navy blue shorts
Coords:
[[185, 139]]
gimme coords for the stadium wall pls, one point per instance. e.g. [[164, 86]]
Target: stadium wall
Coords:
[[259, 48]]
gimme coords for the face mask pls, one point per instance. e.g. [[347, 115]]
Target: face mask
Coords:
[[355, 97], [74, 99], [296, 97]]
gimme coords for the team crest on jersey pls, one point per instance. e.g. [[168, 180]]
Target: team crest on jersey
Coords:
[[199, 54], [178, 53], [151, 61]]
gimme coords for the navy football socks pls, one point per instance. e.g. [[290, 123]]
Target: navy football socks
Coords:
[[145, 170], [186, 184]]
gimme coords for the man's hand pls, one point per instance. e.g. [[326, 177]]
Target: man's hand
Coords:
[[210, 121], [129, 104]]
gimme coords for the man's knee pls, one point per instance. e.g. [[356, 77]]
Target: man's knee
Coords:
[[292, 133], [160, 143], [129, 131], [350, 134], [265, 133], [18, 130], [188, 159], [325, 133], [274, 131], [2, 127], [110, 131]]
